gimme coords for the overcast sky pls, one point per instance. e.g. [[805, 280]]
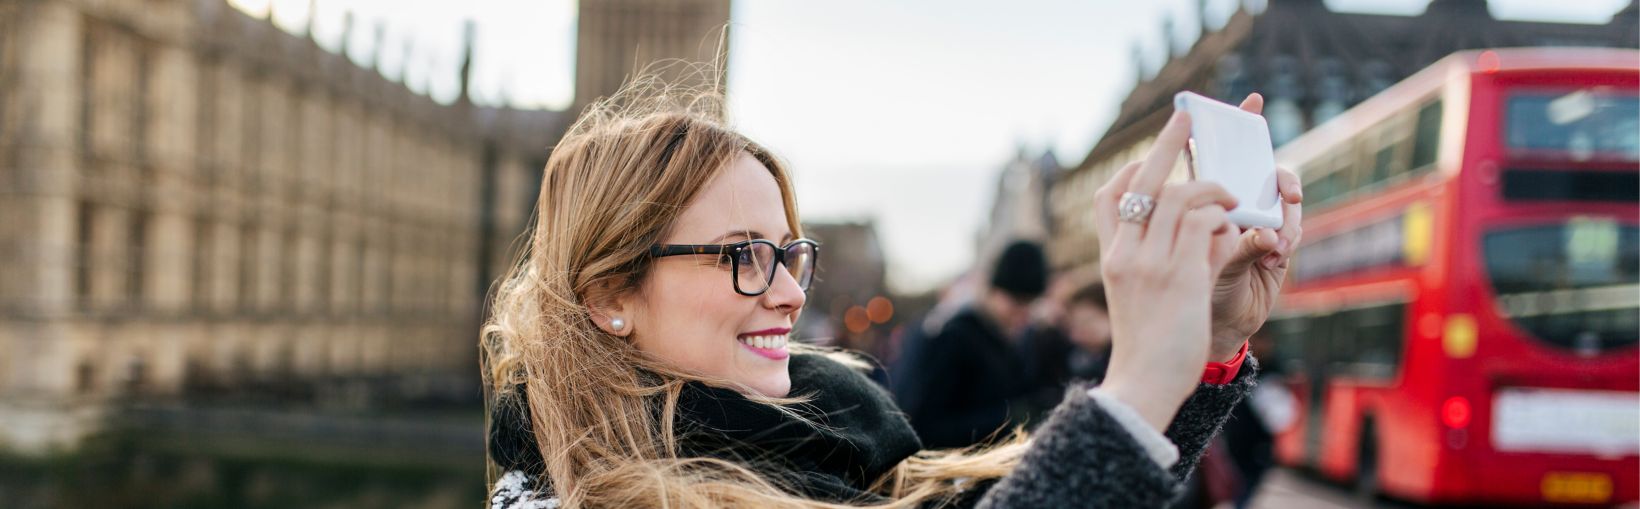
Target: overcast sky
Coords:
[[898, 111]]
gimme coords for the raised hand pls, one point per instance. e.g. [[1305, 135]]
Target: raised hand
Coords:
[[1163, 246], [1255, 264]]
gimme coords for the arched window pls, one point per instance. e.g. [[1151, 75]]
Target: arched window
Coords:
[[1332, 90], [1281, 105], [1285, 118]]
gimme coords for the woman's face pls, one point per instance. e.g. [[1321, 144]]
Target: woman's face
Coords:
[[688, 312]]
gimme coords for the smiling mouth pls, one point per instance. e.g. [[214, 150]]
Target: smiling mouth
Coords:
[[770, 341], [770, 346]]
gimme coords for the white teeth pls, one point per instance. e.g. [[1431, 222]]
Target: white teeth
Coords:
[[765, 341]]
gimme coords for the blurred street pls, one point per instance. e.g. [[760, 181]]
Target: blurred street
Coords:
[[1287, 489]]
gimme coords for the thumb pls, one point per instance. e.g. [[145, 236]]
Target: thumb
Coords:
[[1252, 246]]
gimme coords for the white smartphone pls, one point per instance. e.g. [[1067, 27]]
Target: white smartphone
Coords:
[[1232, 147]]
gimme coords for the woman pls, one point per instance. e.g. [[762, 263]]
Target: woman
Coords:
[[639, 355]]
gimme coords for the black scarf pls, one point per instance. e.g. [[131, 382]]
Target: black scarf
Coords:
[[856, 433]]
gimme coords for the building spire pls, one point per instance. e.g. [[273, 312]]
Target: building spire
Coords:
[[405, 59], [1138, 56], [1201, 17], [312, 15], [1168, 36], [467, 63], [381, 41], [347, 34]]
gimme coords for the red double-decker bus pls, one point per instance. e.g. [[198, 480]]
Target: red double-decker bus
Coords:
[[1461, 324]]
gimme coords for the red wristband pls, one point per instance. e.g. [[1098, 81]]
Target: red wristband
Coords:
[[1220, 373]]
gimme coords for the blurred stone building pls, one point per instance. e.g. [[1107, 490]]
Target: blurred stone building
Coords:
[[1019, 209], [850, 304], [617, 38], [193, 200], [852, 271], [1310, 63]]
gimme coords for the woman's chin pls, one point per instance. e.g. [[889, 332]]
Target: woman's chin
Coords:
[[764, 371], [773, 385], [776, 389]]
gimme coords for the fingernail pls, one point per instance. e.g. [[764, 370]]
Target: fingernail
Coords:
[[1281, 245]]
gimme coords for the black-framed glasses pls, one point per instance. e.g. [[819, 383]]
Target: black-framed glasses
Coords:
[[752, 262]]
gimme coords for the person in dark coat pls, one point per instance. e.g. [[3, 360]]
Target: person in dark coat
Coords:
[[972, 378], [1249, 435], [641, 355], [1070, 344]]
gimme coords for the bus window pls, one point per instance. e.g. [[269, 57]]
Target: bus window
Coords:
[[1334, 185], [1359, 172], [1291, 335], [1571, 284], [1426, 137], [1315, 191], [1365, 342], [1328, 346], [1390, 159], [1382, 164], [1378, 334], [1571, 185], [1585, 123]]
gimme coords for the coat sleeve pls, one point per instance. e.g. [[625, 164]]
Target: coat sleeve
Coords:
[[1204, 413], [1083, 457]]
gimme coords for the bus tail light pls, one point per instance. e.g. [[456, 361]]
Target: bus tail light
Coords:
[[1455, 412]]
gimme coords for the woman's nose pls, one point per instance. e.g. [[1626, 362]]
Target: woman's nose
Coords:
[[784, 292]]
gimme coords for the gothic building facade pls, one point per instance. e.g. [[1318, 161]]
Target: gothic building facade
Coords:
[[193, 200]]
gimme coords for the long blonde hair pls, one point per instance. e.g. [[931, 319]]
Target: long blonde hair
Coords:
[[612, 187]]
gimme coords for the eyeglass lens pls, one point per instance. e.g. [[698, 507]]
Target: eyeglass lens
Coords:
[[756, 262]]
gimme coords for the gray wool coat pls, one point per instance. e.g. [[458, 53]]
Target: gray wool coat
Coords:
[[1081, 456]]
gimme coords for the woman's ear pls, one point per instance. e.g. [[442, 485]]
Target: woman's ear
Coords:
[[610, 310]]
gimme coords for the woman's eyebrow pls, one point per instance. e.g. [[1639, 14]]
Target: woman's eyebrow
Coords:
[[736, 233], [748, 234]]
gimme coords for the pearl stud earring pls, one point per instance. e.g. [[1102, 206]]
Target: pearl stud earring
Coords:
[[617, 324]]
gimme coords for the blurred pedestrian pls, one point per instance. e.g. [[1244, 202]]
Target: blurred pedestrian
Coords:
[[970, 379], [1249, 435], [1087, 326], [639, 355], [1068, 343]]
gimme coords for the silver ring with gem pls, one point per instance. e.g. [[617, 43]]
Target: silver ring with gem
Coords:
[[1135, 208]]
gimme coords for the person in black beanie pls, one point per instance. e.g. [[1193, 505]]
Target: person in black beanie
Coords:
[[970, 379]]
